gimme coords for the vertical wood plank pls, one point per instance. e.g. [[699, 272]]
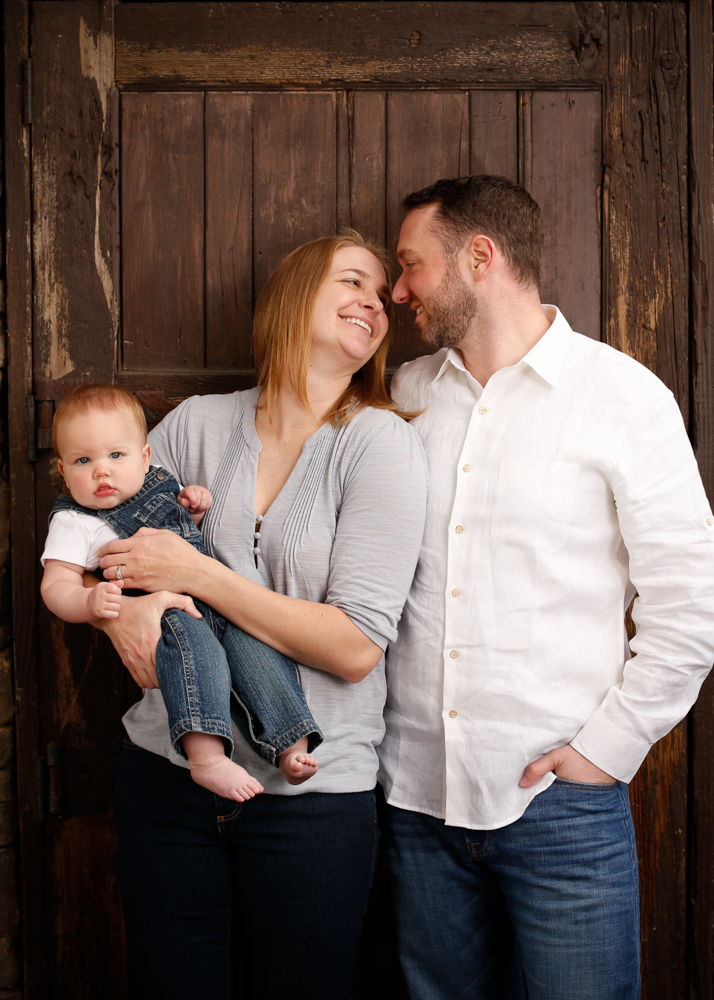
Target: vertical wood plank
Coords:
[[425, 139], [368, 129], [647, 261], [163, 230], [294, 175], [494, 133], [22, 506], [229, 236], [342, 125], [562, 167], [74, 191], [645, 190], [701, 179]]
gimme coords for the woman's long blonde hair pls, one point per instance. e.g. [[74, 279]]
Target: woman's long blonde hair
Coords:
[[282, 329]]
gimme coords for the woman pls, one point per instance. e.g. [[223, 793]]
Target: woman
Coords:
[[319, 495]]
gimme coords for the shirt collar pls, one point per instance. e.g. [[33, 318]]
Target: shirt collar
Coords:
[[546, 357]]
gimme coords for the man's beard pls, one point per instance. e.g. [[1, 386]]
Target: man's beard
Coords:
[[451, 310]]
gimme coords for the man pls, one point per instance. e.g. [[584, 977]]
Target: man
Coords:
[[561, 480]]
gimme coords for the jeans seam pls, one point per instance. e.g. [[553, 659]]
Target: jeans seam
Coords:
[[190, 697]]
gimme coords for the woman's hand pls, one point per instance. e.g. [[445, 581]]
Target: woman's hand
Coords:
[[137, 630], [151, 560]]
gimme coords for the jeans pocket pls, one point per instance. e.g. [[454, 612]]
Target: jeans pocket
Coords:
[[587, 786]]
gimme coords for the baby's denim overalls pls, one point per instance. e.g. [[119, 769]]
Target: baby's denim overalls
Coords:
[[197, 660]]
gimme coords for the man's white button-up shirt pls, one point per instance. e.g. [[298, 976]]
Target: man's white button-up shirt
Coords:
[[555, 491]]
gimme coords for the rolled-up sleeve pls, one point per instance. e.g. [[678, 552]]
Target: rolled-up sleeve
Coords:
[[379, 531], [667, 527]]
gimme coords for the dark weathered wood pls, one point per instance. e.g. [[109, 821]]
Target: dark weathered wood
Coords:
[[74, 190], [229, 233], [646, 260], [294, 175], [367, 169], [701, 181], [645, 200], [494, 133], [22, 507], [427, 138], [562, 168], [243, 44], [342, 132], [163, 230]]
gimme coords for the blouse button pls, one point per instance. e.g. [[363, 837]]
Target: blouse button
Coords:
[[482, 409], [256, 535], [453, 654], [259, 518], [455, 592], [453, 714], [459, 528]]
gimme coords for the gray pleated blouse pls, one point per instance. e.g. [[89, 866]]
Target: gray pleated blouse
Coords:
[[345, 529]]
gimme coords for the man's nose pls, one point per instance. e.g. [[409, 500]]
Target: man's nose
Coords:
[[401, 292]]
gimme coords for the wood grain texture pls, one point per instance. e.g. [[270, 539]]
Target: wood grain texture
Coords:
[[229, 229], [22, 507], [427, 138], [368, 131], [561, 166], [294, 175], [163, 230], [646, 259], [645, 199], [701, 193], [494, 133], [225, 44], [74, 190]]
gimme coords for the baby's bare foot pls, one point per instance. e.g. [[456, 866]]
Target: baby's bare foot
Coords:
[[220, 775], [296, 764]]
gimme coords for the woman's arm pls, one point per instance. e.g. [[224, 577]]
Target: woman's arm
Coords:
[[318, 635], [137, 630]]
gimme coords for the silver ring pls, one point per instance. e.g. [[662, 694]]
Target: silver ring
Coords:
[[119, 576]]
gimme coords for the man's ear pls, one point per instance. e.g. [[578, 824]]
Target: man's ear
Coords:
[[480, 254], [147, 456]]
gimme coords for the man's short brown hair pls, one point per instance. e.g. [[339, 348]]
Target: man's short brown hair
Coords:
[[492, 206], [97, 397]]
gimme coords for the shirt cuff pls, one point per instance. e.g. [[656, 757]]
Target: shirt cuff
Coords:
[[606, 746]]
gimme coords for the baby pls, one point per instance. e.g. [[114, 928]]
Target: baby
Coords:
[[99, 437]]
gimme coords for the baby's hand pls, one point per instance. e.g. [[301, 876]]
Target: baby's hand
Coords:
[[105, 599], [196, 499]]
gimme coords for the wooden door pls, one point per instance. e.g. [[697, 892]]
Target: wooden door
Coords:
[[177, 152]]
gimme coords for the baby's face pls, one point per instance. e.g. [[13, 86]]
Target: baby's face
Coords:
[[104, 458]]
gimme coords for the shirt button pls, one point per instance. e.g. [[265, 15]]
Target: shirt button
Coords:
[[709, 521], [453, 714], [453, 654], [482, 409], [459, 528], [467, 468], [455, 592]]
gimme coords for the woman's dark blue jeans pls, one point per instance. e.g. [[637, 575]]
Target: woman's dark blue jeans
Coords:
[[276, 887]]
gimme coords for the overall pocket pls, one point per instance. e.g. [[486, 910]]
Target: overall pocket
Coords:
[[164, 511], [534, 503]]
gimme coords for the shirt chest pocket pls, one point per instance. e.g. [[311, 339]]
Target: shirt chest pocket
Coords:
[[534, 503]]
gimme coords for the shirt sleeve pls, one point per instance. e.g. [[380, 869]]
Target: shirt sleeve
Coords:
[[168, 440], [668, 530], [68, 540], [379, 531]]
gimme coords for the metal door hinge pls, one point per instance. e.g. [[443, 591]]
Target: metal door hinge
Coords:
[[40, 412], [27, 92], [81, 778]]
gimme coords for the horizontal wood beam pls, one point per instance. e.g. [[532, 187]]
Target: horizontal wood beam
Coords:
[[234, 45]]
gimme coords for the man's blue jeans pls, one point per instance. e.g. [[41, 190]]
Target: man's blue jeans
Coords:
[[563, 878], [197, 662]]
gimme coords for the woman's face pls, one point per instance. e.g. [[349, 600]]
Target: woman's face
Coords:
[[349, 322]]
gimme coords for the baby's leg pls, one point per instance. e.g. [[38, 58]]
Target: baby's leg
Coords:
[[296, 764], [213, 770]]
